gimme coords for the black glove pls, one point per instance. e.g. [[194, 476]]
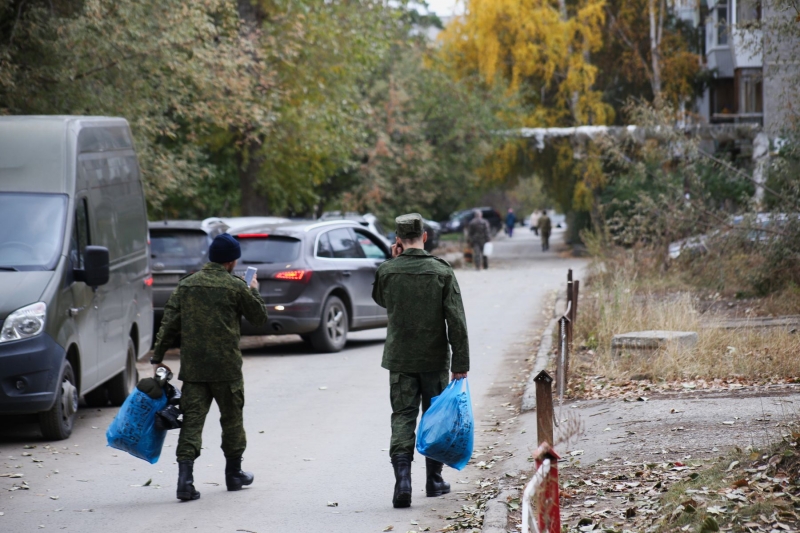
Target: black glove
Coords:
[[168, 418]]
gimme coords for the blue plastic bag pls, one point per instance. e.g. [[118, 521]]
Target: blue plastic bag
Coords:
[[447, 429], [133, 429]]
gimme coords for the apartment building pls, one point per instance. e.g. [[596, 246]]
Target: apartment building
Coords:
[[756, 72], [734, 53]]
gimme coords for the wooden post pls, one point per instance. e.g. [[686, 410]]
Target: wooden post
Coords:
[[544, 408], [576, 287], [570, 297]]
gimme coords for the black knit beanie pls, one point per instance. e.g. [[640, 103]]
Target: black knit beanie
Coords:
[[224, 249]]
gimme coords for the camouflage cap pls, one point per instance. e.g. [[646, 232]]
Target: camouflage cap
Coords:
[[409, 226]]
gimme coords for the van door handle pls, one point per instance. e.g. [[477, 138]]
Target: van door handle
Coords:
[[73, 311], [345, 272]]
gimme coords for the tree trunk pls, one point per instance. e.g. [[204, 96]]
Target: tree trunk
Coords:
[[254, 202], [655, 41]]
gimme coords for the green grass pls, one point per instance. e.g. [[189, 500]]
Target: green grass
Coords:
[[450, 237]]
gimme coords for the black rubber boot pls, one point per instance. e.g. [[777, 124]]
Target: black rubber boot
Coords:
[[435, 485], [402, 476], [186, 490], [235, 478]]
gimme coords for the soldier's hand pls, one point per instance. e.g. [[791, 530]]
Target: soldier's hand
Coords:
[[397, 249], [458, 375], [254, 282]]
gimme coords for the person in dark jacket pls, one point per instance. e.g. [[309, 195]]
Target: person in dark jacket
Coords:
[[426, 318], [206, 312], [511, 220]]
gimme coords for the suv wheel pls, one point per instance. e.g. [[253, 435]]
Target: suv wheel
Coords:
[[56, 424], [331, 335]]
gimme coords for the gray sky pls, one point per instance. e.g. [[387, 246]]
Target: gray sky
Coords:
[[446, 8]]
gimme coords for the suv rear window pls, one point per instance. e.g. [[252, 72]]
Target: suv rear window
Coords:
[[178, 244], [272, 249]]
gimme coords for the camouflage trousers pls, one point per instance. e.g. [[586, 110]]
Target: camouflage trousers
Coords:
[[477, 254], [195, 402], [407, 391]]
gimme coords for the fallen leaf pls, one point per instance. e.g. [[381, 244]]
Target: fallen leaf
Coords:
[[389, 528], [732, 466], [709, 525], [323, 388], [53, 497], [333, 504], [728, 422], [147, 483]]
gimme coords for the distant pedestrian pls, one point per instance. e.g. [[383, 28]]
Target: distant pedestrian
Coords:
[[545, 227], [426, 319], [511, 220], [534, 224], [206, 312], [478, 234]]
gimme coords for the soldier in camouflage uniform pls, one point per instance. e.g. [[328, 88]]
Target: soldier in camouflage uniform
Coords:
[[206, 311], [545, 227], [426, 318], [478, 233]]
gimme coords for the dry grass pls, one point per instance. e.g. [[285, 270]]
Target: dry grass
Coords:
[[616, 302]]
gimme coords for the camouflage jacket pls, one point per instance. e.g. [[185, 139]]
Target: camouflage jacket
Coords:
[[426, 315], [544, 224], [479, 231], [206, 312]]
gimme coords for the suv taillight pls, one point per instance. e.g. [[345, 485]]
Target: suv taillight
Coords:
[[303, 276]]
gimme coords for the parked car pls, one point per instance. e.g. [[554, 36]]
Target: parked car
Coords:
[[241, 222], [178, 248], [459, 220], [368, 220], [75, 284], [758, 228], [316, 278]]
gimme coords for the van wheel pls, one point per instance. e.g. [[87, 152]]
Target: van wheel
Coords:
[[56, 424], [331, 335], [121, 385]]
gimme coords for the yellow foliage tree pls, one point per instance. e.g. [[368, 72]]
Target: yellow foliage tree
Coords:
[[539, 50]]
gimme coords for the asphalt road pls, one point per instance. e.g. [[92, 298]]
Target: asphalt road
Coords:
[[317, 426]]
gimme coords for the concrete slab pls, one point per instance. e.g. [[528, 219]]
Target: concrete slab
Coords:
[[650, 341]]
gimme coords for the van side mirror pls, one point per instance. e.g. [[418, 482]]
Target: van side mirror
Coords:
[[95, 266]]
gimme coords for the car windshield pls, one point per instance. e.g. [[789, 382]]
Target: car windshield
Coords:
[[178, 244], [33, 229], [271, 249]]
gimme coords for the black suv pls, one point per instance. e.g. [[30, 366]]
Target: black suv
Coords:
[[459, 220], [177, 248], [315, 277]]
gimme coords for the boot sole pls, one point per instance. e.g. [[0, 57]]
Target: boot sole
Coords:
[[233, 487], [436, 493], [402, 501], [188, 496]]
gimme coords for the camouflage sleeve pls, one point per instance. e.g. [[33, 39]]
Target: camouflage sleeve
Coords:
[[487, 229], [377, 290], [253, 307], [170, 326], [456, 325]]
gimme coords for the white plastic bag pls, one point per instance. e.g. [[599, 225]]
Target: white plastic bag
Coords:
[[488, 248]]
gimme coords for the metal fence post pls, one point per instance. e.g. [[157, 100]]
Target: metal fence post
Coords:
[[544, 407]]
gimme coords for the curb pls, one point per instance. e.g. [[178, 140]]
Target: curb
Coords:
[[542, 360], [495, 516]]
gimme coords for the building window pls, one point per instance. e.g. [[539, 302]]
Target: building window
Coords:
[[722, 24], [751, 91], [723, 101], [748, 11]]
